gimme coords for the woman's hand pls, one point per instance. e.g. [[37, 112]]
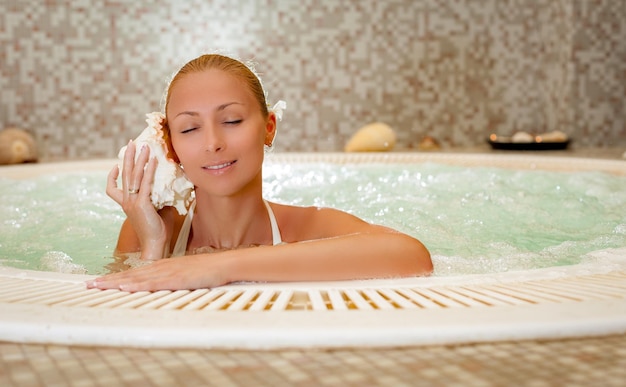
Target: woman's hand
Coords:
[[134, 198], [188, 272]]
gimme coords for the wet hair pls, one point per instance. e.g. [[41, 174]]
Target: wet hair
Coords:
[[219, 62]]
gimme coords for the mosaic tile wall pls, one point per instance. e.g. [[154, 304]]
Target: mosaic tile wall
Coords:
[[80, 74]]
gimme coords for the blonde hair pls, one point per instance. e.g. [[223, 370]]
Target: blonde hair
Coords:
[[218, 62]]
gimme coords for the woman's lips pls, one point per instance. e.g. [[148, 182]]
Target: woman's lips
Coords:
[[219, 166]]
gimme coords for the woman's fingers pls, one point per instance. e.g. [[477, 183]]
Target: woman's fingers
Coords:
[[138, 170], [129, 165], [116, 281], [112, 190], [169, 274], [151, 277], [147, 177], [136, 179], [138, 175]]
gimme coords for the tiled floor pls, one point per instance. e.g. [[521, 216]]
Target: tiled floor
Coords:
[[573, 362]]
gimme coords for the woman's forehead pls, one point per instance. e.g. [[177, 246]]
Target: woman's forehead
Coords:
[[210, 86]]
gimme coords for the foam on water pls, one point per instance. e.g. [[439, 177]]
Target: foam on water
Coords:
[[473, 220]]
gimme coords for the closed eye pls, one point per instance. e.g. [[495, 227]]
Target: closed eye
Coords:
[[233, 122], [188, 130]]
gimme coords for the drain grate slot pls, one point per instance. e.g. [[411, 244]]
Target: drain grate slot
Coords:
[[163, 299], [356, 300], [377, 300], [484, 296], [616, 284], [509, 295], [92, 298], [421, 300], [243, 300], [463, 297], [40, 290], [186, 299], [316, 300], [337, 301], [143, 298], [282, 301], [223, 301], [560, 295], [437, 298], [204, 300], [263, 301], [398, 299], [523, 290], [123, 300], [581, 290], [53, 295], [12, 287]]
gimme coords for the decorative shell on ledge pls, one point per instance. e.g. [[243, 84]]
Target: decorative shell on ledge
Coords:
[[17, 146], [375, 137]]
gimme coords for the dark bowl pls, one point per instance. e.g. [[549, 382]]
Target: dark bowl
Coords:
[[506, 144]]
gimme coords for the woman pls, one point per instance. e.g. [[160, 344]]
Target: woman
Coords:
[[218, 125]]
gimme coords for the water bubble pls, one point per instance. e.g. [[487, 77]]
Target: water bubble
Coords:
[[60, 262]]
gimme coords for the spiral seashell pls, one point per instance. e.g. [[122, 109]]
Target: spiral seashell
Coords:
[[375, 137], [171, 187], [17, 146]]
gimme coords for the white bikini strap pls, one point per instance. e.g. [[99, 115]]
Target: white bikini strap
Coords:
[[180, 248], [276, 237]]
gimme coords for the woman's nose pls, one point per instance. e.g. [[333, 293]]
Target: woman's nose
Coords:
[[214, 140]]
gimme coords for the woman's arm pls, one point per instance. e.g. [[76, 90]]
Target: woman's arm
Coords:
[[370, 252], [357, 256], [128, 241]]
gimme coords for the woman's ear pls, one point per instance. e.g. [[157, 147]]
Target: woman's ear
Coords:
[[167, 137], [270, 129]]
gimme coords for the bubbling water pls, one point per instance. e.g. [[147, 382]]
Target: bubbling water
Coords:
[[473, 220], [62, 223]]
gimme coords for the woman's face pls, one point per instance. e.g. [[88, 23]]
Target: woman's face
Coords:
[[218, 131]]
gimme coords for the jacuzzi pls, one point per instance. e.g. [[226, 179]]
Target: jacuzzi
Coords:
[[555, 302]]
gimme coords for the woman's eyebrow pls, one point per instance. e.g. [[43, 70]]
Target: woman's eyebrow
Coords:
[[224, 106], [187, 113]]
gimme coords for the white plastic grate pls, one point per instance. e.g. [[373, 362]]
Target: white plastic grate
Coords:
[[249, 298]]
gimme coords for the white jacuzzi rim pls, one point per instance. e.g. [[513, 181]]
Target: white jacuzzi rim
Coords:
[[532, 161], [337, 328]]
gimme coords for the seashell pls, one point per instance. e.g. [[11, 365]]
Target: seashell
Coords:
[[171, 187], [520, 137], [554, 136], [17, 146], [375, 137], [428, 143]]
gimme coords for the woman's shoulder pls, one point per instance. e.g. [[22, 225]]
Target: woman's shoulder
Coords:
[[291, 212], [299, 223]]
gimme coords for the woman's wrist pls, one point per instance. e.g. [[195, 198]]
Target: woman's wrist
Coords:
[[154, 250], [227, 267]]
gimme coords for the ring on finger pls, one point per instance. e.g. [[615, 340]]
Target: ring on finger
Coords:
[[133, 191]]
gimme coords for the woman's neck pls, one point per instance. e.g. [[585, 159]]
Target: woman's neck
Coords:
[[230, 222]]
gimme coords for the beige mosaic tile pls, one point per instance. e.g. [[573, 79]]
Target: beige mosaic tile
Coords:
[[81, 75], [575, 362]]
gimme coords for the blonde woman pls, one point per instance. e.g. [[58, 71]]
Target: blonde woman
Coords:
[[217, 125]]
